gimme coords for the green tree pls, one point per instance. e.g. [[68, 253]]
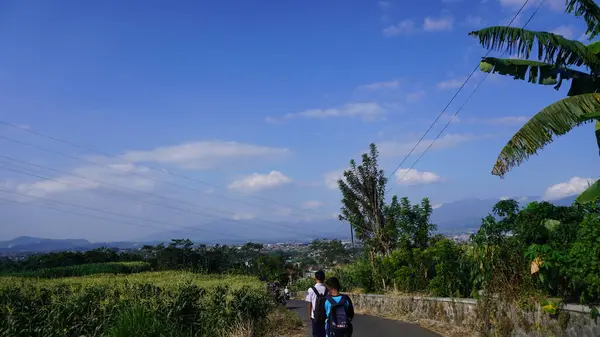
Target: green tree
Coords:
[[556, 59], [363, 203]]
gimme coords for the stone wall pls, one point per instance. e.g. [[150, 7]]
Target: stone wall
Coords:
[[463, 317]]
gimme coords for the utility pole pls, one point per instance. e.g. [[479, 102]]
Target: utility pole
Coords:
[[352, 235]]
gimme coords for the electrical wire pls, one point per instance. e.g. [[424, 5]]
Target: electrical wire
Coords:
[[465, 102], [178, 175], [451, 100]]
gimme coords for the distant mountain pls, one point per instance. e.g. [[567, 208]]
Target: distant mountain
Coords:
[[25, 244], [453, 217], [465, 215], [255, 230]]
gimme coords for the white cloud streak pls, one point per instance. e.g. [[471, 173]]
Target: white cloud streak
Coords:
[[367, 111], [413, 177], [449, 140], [404, 27], [567, 31], [451, 83], [573, 186], [440, 24], [206, 155], [256, 182]]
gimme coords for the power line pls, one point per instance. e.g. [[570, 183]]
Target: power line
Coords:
[[105, 219], [452, 99], [121, 195], [126, 188], [178, 175], [292, 230], [132, 173], [466, 101]]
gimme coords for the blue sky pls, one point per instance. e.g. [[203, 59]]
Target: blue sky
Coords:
[[267, 100]]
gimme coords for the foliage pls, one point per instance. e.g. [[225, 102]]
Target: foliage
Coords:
[[363, 203], [165, 304], [66, 259], [382, 227], [327, 253], [540, 249], [555, 54], [88, 269]]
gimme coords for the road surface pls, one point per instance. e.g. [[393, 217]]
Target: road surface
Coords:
[[369, 326]]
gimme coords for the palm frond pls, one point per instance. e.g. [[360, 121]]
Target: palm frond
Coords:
[[590, 12], [590, 194], [552, 48], [532, 71], [554, 120]]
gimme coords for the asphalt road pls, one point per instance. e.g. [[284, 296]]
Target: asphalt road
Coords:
[[369, 326]]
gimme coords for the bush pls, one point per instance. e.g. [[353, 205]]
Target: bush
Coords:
[[180, 305], [88, 269]]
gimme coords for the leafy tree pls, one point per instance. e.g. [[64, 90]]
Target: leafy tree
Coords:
[[363, 203], [329, 252], [557, 57]]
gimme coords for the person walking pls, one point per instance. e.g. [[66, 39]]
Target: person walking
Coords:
[[338, 310], [316, 297]]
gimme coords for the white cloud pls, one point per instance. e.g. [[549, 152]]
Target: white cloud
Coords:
[[396, 149], [256, 182], [473, 21], [126, 175], [384, 4], [574, 186], [404, 27], [451, 84], [414, 177], [243, 216], [332, 177], [431, 25], [366, 111], [567, 31], [509, 120], [393, 84], [436, 206], [204, 155], [312, 204], [415, 96]]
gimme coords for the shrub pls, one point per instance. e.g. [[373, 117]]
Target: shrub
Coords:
[[88, 269], [182, 304]]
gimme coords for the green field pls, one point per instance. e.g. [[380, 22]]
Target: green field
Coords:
[[88, 269], [172, 304]]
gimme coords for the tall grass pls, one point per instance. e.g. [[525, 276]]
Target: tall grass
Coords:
[[170, 304], [87, 269]]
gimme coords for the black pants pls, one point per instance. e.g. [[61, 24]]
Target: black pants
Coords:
[[318, 329]]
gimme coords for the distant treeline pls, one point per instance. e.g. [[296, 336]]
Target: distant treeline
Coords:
[[179, 254]]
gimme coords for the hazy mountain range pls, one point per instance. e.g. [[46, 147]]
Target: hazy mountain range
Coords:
[[453, 217]]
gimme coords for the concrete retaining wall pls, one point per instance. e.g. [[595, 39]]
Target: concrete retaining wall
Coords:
[[462, 317]]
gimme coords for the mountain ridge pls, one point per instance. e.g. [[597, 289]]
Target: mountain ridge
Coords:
[[454, 217]]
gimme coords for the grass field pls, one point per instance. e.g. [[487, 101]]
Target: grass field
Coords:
[[88, 269], [170, 304]]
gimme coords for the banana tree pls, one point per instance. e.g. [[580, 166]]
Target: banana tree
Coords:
[[558, 59]]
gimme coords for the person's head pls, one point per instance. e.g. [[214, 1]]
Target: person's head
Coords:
[[333, 284], [320, 276]]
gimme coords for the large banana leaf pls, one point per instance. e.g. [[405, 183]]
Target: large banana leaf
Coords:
[[556, 119], [532, 71], [552, 48], [590, 12], [592, 193]]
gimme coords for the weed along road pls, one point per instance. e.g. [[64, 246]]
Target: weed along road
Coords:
[[369, 326]]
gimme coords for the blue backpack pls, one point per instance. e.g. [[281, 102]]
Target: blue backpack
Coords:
[[339, 321]]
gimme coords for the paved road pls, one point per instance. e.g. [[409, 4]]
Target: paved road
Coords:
[[369, 326]]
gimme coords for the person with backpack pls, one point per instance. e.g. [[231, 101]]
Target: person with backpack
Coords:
[[316, 298], [339, 311]]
